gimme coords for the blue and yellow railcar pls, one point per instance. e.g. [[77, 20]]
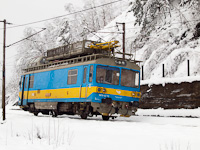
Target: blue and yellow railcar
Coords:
[[89, 86]]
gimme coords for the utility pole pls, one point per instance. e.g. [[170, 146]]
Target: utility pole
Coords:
[[123, 38], [3, 72]]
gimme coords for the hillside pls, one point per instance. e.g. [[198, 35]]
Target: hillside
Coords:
[[160, 32]]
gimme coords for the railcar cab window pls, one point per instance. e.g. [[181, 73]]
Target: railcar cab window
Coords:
[[72, 76], [107, 75], [84, 75], [31, 81], [129, 78], [91, 73]]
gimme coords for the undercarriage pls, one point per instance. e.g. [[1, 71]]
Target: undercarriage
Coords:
[[106, 109]]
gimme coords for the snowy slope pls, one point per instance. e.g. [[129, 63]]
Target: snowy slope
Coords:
[[165, 36]]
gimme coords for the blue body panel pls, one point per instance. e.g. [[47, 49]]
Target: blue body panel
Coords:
[[57, 79]]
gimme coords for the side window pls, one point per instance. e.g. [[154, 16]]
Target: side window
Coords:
[[84, 75], [26, 82], [72, 76], [20, 83], [91, 73], [31, 81]]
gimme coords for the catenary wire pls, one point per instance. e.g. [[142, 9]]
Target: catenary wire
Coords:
[[103, 28], [72, 14], [63, 15], [106, 35]]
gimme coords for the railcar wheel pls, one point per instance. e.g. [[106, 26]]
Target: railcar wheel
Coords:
[[84, 115], [105, 117], [35, 113], [54, 113]]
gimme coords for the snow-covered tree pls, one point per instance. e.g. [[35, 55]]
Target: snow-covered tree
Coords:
[[92, 20], [166, 26], [29, 49]]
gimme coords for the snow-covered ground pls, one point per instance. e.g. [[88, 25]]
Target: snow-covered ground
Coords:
[[23, 131]]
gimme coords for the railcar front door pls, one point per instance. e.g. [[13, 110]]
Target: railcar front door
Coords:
[[22, 90], [84, 85], [26, 89]]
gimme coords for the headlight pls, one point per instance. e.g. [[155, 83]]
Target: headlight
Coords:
[[136, 94], [139, 95], [99, 89], [120, 62]]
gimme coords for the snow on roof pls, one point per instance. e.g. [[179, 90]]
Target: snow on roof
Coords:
[[164, 81]]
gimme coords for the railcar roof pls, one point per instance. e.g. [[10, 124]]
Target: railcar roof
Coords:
[[103, 61]]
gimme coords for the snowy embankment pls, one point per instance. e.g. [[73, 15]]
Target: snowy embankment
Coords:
[[169, 112], [23, 131]]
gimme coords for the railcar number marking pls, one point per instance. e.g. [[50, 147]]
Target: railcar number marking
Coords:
[[102, 95]]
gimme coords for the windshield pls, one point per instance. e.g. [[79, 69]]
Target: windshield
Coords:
[[129, 78], [110, 75], [107, 75]]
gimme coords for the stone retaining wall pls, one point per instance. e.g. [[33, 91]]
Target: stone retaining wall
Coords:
[[171, 95]]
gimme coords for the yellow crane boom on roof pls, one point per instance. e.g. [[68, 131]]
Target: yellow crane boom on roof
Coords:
[[104, 46]]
